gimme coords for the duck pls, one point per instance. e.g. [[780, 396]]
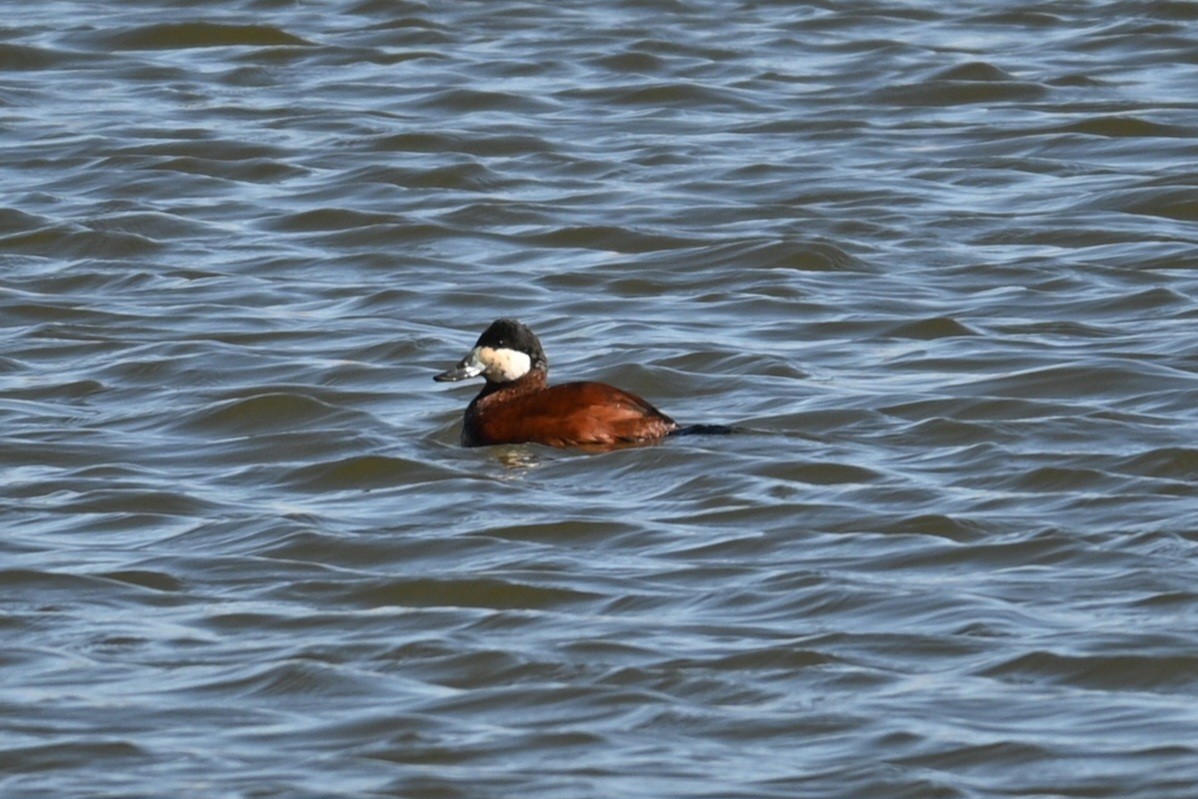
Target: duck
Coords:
[[518, 406]]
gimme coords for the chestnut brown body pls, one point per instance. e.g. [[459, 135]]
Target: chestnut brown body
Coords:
[[566, 415]]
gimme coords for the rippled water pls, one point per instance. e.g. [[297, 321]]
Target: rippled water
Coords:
[[940, 259]]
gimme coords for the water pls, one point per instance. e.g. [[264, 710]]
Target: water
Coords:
[[938, 258]]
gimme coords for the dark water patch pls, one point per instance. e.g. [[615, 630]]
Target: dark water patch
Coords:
[[268, 411], [305, 680], [152, 580], [928, 329], [63, 241], [608, 238], [1185, 601], [154, 366], [475, 101], [310, 544], [1173, 10], [480, 144], [14, 220], [565, 531], [1167, 202], [418, 142], [370, 237], [1019, 18], [986, 756], [708, 687], [544, 704], [16, 57], [1123, 35], [196, 34], [59, 451], [978, 71], [1059, 478], [1073, 80], [632, 62], [471, 177], [135, 503], [362, 473], [958, 530], [1124, 127], [326, 219], [978, 88], [817, 473], [1043, 547], [1150, 299], [1054, 329], [413, 21], [607, 651], [786, 659], [447, 666], [150, 224], [202, 145], [494, 214], [688, 50], [1176, 463], [1094, 379], [66, 754], [44, 584], [1170, 674], [249, 171], [482, 592], [661, 95]]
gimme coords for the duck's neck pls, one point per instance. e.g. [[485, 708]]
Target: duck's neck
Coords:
[[535, 380]]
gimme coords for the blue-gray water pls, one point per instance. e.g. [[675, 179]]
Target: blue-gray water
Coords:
[[940, 258]]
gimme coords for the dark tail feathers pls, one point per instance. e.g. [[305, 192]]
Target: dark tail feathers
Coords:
[[704, 430]]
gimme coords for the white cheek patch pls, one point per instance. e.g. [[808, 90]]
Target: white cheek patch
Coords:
[[503, 365]]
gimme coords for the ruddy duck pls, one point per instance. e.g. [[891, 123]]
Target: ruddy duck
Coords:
[[517, 405]]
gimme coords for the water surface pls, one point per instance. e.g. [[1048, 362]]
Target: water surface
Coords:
[[939, 261]]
